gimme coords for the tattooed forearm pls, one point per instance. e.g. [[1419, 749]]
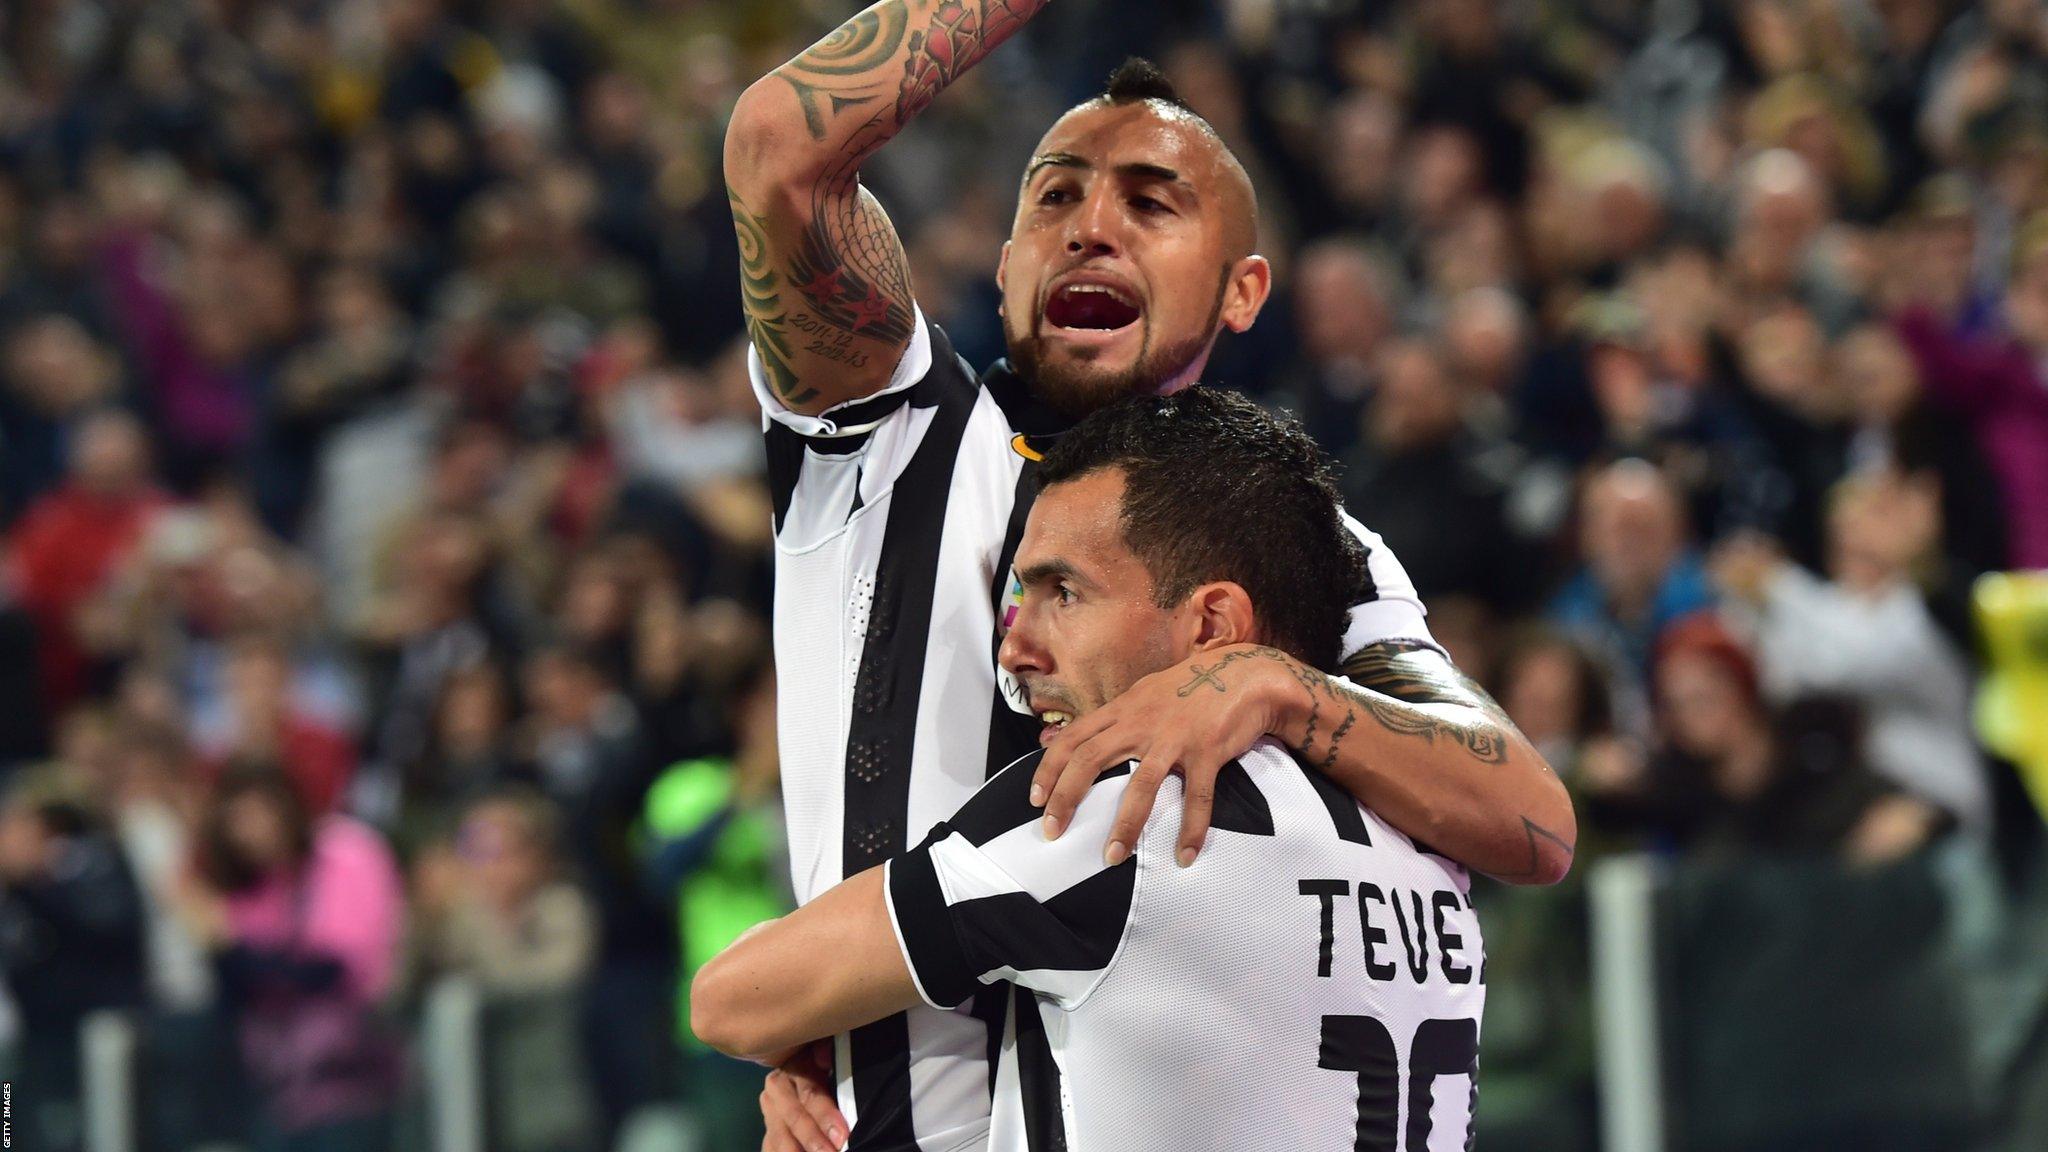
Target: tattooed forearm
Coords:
[[1448, 736], [822, 234], [1393, 680]]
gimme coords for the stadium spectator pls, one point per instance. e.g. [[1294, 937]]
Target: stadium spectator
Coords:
[[500, 914], [74, 538], [1866, 634], [1640, 573], [303, 919], [71, 938], [1730, 778]]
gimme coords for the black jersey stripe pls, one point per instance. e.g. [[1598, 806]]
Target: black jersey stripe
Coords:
[[1344, 811], [1038, 1079], [1239, 806], [1010, 733], [785, 450], [883, 729]]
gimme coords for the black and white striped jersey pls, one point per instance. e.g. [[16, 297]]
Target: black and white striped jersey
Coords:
[[896, 518], [1312, 983]]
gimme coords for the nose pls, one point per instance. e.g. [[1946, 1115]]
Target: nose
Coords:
[[1092, 231], [1020, 652]]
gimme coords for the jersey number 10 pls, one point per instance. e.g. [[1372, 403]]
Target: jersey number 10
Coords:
[[1363, 1045]]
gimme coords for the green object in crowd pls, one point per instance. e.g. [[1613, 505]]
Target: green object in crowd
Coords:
[[736, 886]]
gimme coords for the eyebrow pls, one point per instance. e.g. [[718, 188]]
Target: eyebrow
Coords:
[[1047, 570], [1137, 169]]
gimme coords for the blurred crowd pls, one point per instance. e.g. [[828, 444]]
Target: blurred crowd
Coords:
[[387, 552]]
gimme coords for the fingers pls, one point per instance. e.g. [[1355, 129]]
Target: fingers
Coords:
[[822, 1106], [1089, 759], [1052, 767], [1198, 804], [789, 1121], [1136, 808]]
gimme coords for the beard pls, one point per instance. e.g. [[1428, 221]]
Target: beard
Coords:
[[1074, 388]]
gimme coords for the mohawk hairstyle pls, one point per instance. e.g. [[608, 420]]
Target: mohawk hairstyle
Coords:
[[1140, 79]]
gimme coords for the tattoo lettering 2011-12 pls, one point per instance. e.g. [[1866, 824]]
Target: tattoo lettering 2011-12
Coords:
[[761, 294]]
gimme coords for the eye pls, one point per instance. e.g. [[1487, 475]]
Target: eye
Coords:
[[1055, 195], [1064, 594], [1149, 206]]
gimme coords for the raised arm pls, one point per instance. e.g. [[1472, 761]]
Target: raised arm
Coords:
[[1403, 730], [823, 275]]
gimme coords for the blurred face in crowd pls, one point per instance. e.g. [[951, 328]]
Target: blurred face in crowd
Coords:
[[25, 842], [1632, 529], [1784, 355], [563, 689], [1340, 303], [1878, 526], [1876, 373], [505, 859], [446, 556], [1415, 406], [258, 829], [1130, 253], [1703, 706], [1484, 332], [595, 602], [469, 465], [1364, 133], [1444, 172], [473, 713], [1089, 626], [1543, 694], [258, 680], [110, 456], [2026, 299], [57, 367]]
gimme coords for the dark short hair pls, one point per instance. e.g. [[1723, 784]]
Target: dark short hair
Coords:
[[219, 860], [1140, 79], [1217, 488]]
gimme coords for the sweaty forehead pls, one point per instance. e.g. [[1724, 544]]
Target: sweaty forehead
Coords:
[[1140, 132]]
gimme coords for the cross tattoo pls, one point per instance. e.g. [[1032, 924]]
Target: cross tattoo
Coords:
[[1203, 676]]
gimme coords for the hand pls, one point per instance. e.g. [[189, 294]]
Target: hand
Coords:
[[201, 910], [1192, 718], [1893, 827], [1742, 566], [798, 1103]]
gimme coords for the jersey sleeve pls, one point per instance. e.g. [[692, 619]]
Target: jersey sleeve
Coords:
[[988, 898], [823, 469], [1390, 609], [855, 417]]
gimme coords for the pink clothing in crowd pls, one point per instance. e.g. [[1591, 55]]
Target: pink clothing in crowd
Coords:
[[1996, 385], [314, 1042], [351, 910], [202, 406]]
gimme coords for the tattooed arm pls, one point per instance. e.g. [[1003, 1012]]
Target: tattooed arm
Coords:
[[823, 274], [1407, 733]]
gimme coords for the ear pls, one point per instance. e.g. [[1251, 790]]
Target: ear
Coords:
[[1251, 282], [1218, 614], [1002, 273]]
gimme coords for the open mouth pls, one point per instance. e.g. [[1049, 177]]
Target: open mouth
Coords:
[[1091, 307], [1053, 718]]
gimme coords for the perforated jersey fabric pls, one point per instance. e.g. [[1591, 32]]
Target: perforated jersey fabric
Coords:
[[1314, 981]]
